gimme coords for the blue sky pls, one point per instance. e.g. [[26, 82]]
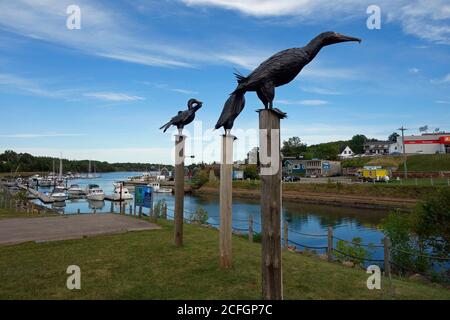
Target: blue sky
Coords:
[[103, 91]]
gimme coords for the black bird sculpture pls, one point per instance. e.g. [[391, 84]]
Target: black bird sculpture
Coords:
[[183, 118], [276, 71]]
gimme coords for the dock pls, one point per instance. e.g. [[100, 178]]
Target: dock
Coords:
[[40, 195]]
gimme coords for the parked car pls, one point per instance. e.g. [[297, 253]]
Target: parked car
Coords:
[[291, 179]]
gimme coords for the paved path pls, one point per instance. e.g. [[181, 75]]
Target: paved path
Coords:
[[18, 230]]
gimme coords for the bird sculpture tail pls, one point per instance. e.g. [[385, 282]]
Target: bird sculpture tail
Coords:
[[166, 126], [233, 106]]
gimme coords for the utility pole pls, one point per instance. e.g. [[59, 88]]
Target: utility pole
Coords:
[[405, 167]]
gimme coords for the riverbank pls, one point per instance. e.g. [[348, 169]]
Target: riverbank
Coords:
[[377, 196], [146, 265]]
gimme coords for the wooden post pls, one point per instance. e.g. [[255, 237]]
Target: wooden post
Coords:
[[226, 201], [179, 188], [78, 211], [250, 228], [95, 210], [131, 210], [387, 256], [271, 271], [165, 211], [112, 207], [330, 245], [285, 234], [140, 211]]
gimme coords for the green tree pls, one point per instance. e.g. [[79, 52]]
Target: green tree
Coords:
[[357, 143], [393, 137], [251, 172], [293, 147]]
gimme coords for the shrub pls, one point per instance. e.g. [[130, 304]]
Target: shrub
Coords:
[[353, 252], [200, 216]]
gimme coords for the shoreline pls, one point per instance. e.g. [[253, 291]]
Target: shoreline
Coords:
[[334, 199]]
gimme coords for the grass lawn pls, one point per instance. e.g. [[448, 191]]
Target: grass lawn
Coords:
[[146, 265], [8, 213]]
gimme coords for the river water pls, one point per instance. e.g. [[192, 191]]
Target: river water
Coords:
[[347, 223]]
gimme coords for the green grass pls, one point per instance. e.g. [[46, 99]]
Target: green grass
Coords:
[[146, 265], [422, 182], [427, 163], [392, 189], [7, 213]]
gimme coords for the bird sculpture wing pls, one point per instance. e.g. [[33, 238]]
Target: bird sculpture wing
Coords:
[[280, 63], [175, 120]]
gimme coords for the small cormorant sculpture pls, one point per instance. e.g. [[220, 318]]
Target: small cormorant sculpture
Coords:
[[183, 118], [276, 71]]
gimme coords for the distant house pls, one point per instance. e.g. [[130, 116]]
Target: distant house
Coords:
[[294, 166], [346, 153], [372, 148], [322, 168]]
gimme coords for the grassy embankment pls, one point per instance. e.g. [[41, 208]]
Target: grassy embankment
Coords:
[[359, 195], [146, 265], [415, 163]]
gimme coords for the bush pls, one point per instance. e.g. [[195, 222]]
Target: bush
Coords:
[[353, 252], [200, 216], [200, 178], [422, 233]]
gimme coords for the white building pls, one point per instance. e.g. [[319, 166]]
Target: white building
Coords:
[[346, 153], [427, 143], [252, 156]]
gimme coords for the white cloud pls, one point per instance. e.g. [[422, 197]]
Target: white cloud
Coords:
[[445, 79], [323, 91], [40, 135], [28, 86], [303, 102], [426, 19], [184, 91], [413, 70], [442, 102], [112, 96]]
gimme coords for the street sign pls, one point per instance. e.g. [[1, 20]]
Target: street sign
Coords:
[[143, 196]]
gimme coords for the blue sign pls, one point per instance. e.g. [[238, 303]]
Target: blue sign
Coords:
[[143, 196], [326, 166]]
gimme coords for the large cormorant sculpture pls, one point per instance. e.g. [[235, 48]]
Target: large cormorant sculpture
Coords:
[[183, 118], [276, 71]]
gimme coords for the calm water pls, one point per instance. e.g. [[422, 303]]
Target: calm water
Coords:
[[347, 223]]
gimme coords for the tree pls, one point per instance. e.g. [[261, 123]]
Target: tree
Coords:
[[251, 172], [393, 137], [357, 143], [293, 147]]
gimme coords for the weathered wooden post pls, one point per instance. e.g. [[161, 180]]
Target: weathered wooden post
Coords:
[[131, 210], [285, 235], [387, 256], [112, 207], [330, 245], [269, 139], [179, 187], [250, 228], [78, 211], [140, 211], [226, 201], [165, 210]]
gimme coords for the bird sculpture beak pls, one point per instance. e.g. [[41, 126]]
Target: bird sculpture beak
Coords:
[[343, 38]]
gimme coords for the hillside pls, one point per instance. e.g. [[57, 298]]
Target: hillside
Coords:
[[416, 163]]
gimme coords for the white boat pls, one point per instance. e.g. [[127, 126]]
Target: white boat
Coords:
[[94, 192], [75, 191], [121, 193], [157, 188], [58, 194]]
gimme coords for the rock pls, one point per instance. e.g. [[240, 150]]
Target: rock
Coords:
[[419, 278], [323, 256], [348, 264], [292, 248]]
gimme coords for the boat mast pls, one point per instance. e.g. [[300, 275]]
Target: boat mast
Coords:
[[60, 167]]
